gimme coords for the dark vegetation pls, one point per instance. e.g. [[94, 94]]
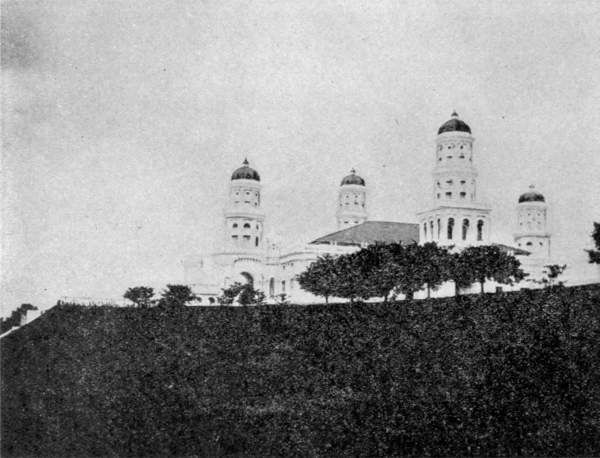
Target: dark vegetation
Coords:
[[6, 324], [387, 270], [594, 255], [481, 375]]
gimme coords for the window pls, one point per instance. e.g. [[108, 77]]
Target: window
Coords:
[[211, 300], [439, 228], [450, 228], [431, 228], [247, 226], [439, 158], [283, 287], [463, 182], [246, 237], [449, 182], [234, 237], [448, 195], [234, 225], [480, 230], [448, 157], [247, 193], [438, 195], [529, 244], [541, 244], [256, 242], [465, 228], [425, 230], [463, 195]]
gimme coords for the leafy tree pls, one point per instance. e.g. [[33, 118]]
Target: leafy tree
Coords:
[[594, 255], [140, 296], [553, 271], [351, 282], [320, 278], [243, 292], [409, 268], [436, 263], [489, 262], [460, 271], [176, 296], [377, 270], [14, 319]]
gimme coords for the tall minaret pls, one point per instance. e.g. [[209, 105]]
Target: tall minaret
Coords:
[[243, 215], [532, 224], [352, 201], [456, 216]]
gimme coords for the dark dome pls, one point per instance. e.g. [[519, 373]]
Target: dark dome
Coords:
[[353, 178], [531, 196], [245, 172], [454, 125]]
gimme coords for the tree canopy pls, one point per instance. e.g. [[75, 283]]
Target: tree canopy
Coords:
[[175, 296], [594, 255], [141, 296]]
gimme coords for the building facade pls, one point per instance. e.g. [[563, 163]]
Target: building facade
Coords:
[[455, 217]]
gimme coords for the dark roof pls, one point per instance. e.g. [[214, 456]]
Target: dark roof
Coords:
[[454, 124], [370, 232], [353, 178], [532, 196], [515, 250], [245, 172]]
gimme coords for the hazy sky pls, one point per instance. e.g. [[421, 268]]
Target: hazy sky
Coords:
[[123, 120]]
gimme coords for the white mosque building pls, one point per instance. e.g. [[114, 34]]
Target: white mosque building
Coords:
[[456, 217]]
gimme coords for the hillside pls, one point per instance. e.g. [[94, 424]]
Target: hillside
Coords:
[[507, 374]]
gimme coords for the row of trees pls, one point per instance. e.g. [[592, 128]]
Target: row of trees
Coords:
[[385, 270], [6, 324], [172, 296]]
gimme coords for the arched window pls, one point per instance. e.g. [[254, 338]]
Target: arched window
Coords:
[[480, 230], [431, 229], [448, 195], [256, 241], [439, 228], [465, 228], [247, 226], [283, 286], [450, 228], [211, 300], [272, 287], [234, 225], [425, 230], [463, 195], [529, 244]]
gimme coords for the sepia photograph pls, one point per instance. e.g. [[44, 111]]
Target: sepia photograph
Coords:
[[300, 228]]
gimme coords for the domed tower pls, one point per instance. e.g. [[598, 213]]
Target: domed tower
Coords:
[[532, 224], [457, 217], [243, 215], [352, 200]]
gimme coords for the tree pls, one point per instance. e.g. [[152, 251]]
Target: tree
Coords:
[[320, 278], [377, 270], [489, 262], [244, 293], [594, 255], [409, 266], [460, 271], [553, 271], [436, 263], [176, 296], [140, 296], [14, 319]]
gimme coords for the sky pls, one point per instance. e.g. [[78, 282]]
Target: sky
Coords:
[[122, 122]]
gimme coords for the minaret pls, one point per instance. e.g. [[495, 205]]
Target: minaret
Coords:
[[352, 201], [243, 215], [457, 217], [532, 224]]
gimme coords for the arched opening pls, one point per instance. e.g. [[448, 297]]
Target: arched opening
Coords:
[[480, 230], [465, 228], [247, 226], [450, 228], [439, 229], [425, 231], [211, 300], [431, 229], [272, 287]]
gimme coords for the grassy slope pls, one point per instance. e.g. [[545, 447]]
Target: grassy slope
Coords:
[[508, 374]]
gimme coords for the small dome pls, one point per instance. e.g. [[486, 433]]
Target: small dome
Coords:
[[353, 178], [245, 172], [454, 125], [531, 196]]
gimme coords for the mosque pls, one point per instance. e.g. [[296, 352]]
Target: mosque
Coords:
[[455, 217]]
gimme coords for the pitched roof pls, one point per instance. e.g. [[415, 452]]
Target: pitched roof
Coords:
[[372, 231]]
